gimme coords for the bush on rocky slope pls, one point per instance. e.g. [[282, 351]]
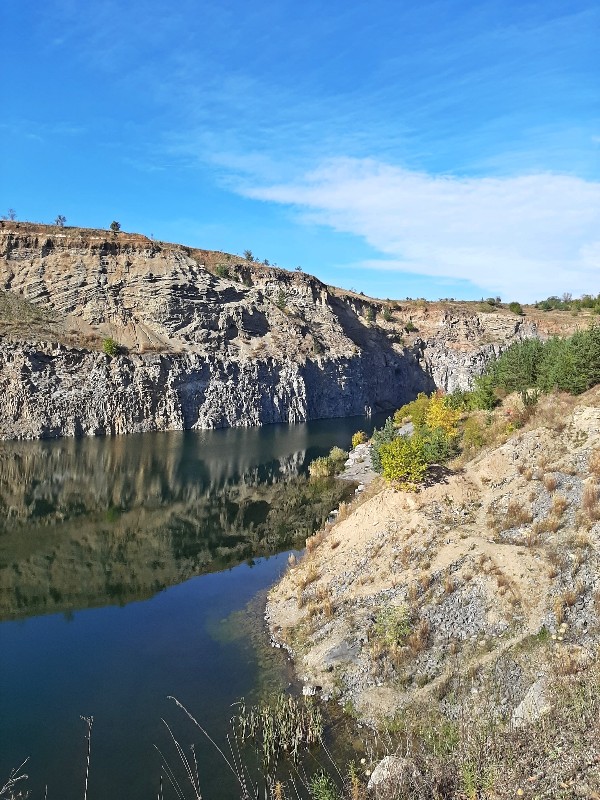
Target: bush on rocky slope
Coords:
[[570, 364]]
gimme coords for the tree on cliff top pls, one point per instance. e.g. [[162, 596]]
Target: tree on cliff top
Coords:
[[115, 226]]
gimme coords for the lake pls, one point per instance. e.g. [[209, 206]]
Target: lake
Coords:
[[134, 568]]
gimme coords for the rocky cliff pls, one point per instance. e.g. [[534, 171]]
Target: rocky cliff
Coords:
[[207, 339]]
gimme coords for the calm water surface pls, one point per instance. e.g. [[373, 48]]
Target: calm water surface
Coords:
[[135, 568]]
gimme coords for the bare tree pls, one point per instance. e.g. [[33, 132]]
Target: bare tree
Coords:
[[60, 221]]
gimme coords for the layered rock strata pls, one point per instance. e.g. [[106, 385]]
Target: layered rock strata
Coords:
[[207, 340]]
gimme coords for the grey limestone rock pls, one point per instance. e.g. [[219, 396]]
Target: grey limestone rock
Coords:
[[204, 345]]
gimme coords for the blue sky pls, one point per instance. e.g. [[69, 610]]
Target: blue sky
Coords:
[[428, 149]]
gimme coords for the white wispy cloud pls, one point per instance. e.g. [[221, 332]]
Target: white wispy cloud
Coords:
[[521, 237]]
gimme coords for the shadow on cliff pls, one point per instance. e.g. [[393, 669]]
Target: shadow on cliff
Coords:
[[393, 378]]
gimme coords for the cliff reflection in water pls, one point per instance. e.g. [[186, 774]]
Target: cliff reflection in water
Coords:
[[91, 522]]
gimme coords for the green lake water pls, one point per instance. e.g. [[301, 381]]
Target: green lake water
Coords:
[[135, 568]]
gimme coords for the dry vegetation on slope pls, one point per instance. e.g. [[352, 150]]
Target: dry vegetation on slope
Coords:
[[469, 611]]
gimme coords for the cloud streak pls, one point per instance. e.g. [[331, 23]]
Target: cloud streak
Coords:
[[521, 237]]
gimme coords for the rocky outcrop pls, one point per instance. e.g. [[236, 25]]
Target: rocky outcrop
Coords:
[[52, 391], [462, 346], [207, 339]]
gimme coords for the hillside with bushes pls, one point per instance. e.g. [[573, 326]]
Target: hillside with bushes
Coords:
[[454, 606]]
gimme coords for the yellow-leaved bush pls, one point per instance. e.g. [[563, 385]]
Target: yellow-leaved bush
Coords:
[[438, 414], [415, 411], [404, 460], [360, 437]]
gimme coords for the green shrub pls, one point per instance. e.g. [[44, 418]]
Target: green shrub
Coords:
[[392, 625], [516, 308], [473, 436], [387, 314], [567, 303], [370, 315], [360, 437], [322, 787], [438, 446], [570, 365], [403, 460], [410, 327], [483, 396], [110, 347], [222, 271], [462, 400], [415, 411], [280, 300], [338, 456], [380, 437]]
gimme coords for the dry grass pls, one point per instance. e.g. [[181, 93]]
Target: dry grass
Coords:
[[417, 639], [312, 609], [566, 663], [543, 461], [311, 575], [594, 463], [559, 609], [425, 580], [449, 584], [516, 515], [559, 504], [314, 541], [502, 581], [550, 483], [569, 598], [320, 605], [552, 411], [549, 524], [589, 501], [533, 538], [405, 556], [554, 557], [581, 541]]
